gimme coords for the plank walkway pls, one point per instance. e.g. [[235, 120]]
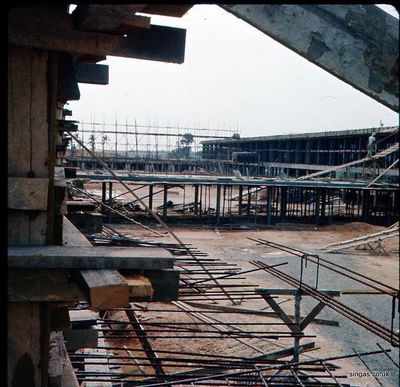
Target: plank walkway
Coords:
[[384, 153]]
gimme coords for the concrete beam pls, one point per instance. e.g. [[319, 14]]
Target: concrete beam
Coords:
[[358, 44]]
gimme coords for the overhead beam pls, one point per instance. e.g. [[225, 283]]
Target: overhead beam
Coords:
[[96, 74], [359, 44], [174, 10], [56, 32], [65, 257], [104, 17]]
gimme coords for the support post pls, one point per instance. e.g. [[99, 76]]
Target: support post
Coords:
[[103, 196], [196, 199], [218, 206], [297, 301], [165, 200], [269, 205], [317, 206], [240, 199], [151, 197], [110, 184]]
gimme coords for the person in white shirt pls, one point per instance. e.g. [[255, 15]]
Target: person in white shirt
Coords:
[[371, 147]]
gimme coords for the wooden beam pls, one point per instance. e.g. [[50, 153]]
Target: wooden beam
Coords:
[[56, 32], [105, 288], [174, 10], [164, 283], [64, 257], [96, 74], [103, 17], [132, 24], [140, 288], [314, 312], [27, 193], [83, 318], [26, 285], [255, 312], [282, 314]]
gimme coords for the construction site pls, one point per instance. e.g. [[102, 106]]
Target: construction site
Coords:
[[174, 255]]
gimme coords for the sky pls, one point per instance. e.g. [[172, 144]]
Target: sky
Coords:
[[234, 77]]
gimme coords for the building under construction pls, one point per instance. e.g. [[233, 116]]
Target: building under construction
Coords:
[[119, 277]]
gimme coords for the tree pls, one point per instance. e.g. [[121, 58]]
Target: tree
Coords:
[[92, 141], [104, 139], [184, 147]]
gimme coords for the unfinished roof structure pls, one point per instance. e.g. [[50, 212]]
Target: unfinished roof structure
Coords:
[[76, 286]]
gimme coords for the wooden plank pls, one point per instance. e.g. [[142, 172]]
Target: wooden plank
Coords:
[[56, 32], [83, 318], [91, 73], [39, 125], [174, 10], [281, 313], [255, 312], [139, 287], [105, 288], [103, 17], [60, 372], [23, 344], [164, 282], [314, 312], [18, 228], [72, 236], [65, 257], [134, 23], [81, 205], [27, 193], [19, 135], [42, 285]]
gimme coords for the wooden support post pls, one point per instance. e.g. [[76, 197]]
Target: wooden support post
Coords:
[[269, 204], [218, 206], [196, 199], [297, 301], [110, 185], [365, 205], [283, 203], [317, 206], [151, 187], [240, 199], [165, 200], [248, 200], [310, 317], [103, 195], [323, 202]]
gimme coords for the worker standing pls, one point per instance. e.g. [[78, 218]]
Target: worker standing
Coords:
[[371, 147]]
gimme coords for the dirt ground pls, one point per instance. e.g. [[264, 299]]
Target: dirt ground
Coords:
[[234, 247]]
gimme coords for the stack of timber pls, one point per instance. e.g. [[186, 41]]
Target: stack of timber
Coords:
[[371, 241]]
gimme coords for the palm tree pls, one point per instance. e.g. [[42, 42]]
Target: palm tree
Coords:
[[92, 140], [104, 139]]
